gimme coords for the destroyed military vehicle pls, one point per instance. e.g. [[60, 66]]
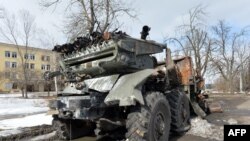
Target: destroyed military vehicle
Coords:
[[114, 85]]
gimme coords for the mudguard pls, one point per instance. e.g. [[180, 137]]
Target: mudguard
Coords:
[[197, 109], [127, 90]]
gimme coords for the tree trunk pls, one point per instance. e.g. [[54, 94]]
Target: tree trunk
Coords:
[[25, 90], [48, 88], [231, 86], [22, 92], [25, 82], [241, 82], [25, 87]]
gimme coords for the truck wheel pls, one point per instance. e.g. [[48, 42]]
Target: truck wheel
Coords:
[[150, 122], [72, 129], [180, 111]]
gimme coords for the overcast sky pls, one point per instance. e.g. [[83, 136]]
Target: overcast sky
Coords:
[[161, 15]]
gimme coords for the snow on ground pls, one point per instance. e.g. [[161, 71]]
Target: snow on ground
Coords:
[[200, 127], [9, 95], [43, 137], [17, 112], [27, 121], [11, 105], [10, 132]]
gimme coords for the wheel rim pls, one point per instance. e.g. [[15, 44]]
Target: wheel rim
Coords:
[[159, 126]]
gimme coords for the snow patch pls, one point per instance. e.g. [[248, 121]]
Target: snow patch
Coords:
[[15, 106], [22, 113], [200, 127], [6, 133], [232, 121], [44, 137], [9, 95], [27, 121]]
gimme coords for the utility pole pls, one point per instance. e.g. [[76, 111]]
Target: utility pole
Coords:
[[241, 74], [241, 81]]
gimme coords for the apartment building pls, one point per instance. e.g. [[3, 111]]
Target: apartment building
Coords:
[[36, 62]]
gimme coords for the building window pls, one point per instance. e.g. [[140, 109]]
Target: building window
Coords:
[[13, 75], [43, 67], [26, 56], [7, 64], [7, 75], [13, 65], [29, 56], [14, 55], [8, 85], [48, 58], [10, 64], [29, 66], [45, 58], [14, 86], [32, 66], [48, 67], [26, 65], [7, 54], [32, 57]]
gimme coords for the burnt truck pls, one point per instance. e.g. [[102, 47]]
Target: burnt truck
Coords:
[[114, 85]]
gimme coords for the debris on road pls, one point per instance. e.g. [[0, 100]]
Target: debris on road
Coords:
[[232, 121], [200, 127], [215, 107]]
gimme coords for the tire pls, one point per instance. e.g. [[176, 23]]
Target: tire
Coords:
[[150, 122], [72, 129], [180, 111], [114, 134]]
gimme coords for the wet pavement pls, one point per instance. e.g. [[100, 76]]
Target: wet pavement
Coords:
[[235, 107]]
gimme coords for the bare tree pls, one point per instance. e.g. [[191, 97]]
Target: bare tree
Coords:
[[232, 52], [86, 15], [194, 39], [19, 32], [49, 42]]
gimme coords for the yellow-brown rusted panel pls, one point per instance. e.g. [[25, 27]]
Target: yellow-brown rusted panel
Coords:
[[185, 69]]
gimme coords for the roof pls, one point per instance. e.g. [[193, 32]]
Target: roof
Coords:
[[12, 45]]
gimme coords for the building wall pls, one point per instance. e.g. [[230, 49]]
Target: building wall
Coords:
[[36, 82]]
